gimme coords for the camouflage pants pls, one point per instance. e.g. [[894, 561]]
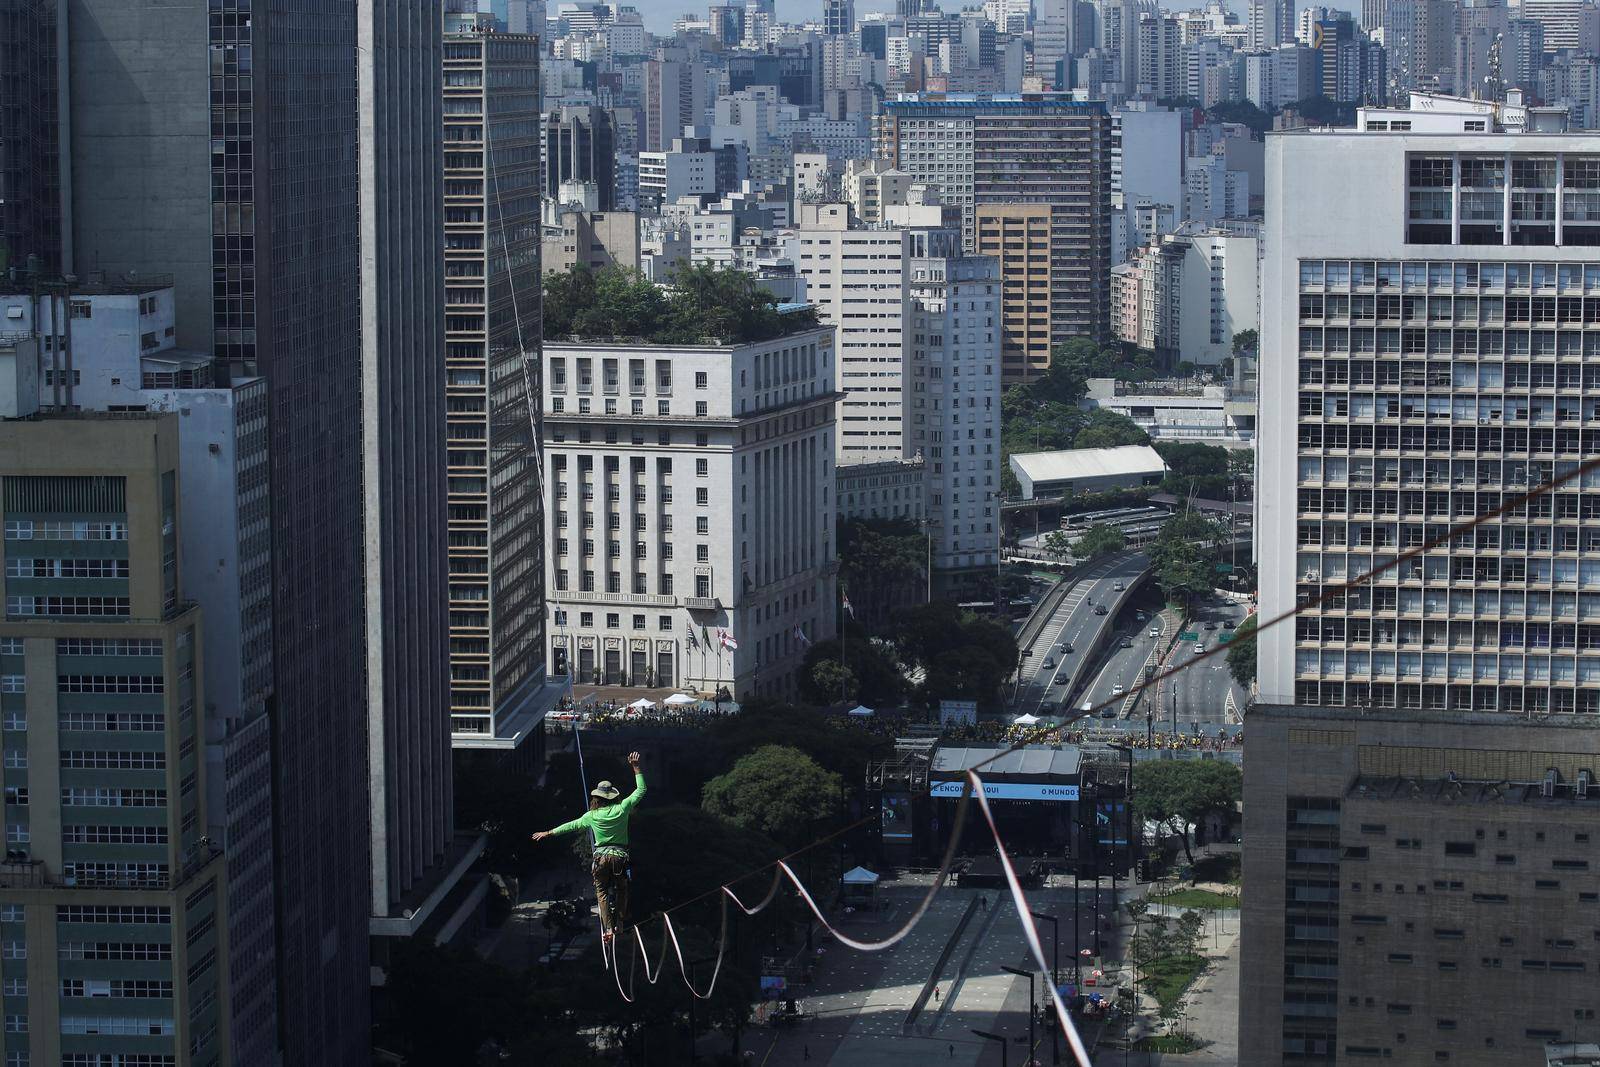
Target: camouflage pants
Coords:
[[610, 872]]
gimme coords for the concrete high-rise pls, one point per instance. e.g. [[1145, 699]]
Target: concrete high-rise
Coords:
[[1046, 151], [838, 17], [1271, 23], [1418, 790], [34, 217], [580, 146], [306, 244], [108, 858], [492, 337]]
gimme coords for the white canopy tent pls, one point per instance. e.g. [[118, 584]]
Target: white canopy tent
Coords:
[[860, 876], [678, 699], [859, 887], [1026, 720], [642, 704], [862, 710]]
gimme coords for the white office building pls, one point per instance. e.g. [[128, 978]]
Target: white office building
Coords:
[[690, 503], [857, 281], [954, 411], [1430, 350]]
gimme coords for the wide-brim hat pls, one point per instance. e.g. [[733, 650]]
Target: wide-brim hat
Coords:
[[605, 791]]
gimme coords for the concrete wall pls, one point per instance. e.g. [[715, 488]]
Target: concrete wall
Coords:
[[141, 147]]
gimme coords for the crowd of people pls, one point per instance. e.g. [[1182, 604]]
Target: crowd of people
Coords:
[[611, 715]]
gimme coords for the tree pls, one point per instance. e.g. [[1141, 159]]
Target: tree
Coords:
[[878, 678], [704, 301], [1184, 792], [1245, 341], [1100, 540], [445, 1003], [962, 656], [1242, 653], [1058, 543], [884, 565], [831, 676], [1195, 468], [1244, 112], [710, 301], [1180, 557], [817, 734], [777, 791], [1108, 429]]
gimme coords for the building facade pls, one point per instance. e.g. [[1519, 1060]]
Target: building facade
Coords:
[[1017, 237], [731, 449], [1431, 729], [35, 218], [579, 146], [1046, 150], [492, 334], [113, 896], [1419, 886]]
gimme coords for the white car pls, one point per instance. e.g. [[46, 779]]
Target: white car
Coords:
[[1154, 632], [1116, 690], [1199, 650]]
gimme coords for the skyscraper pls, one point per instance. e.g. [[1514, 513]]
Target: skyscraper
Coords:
[[838, 17], [1419, 770], [1002, 150], [32, 211], [1271, 23], [492, 338], [580, 146], [306, 244]]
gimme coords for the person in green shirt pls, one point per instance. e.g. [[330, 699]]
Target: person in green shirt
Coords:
[[607, 817]]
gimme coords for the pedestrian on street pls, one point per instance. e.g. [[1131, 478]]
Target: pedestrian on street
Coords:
[[936, 994], [952, 1052], [805, 1051]]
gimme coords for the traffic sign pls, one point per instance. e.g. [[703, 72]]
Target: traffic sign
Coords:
[[1189, 635]]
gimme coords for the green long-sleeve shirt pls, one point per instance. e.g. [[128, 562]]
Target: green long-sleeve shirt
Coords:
[[609, 823]]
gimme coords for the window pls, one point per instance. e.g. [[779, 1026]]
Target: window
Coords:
[[638, 622], [664, 623], [613, 620], [701, 409], [699, 379], [702, 469], [702, 497]]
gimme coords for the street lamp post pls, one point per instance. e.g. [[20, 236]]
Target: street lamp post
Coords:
[[1055, 975], [1029, 976], [1004, 1059]]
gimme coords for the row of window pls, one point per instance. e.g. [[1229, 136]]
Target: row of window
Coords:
[[132, 988], [1445, 276], [114, 835], [113, 760], [111, 683], [43, 567], [31, 530], [53, 606]]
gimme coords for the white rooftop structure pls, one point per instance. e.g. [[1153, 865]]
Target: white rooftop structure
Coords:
[[1087, 470]]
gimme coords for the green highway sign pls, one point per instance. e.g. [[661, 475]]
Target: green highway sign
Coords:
[[1189, 635]]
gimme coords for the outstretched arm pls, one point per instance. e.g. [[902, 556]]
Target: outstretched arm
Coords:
[[631, 801], [565, 828]]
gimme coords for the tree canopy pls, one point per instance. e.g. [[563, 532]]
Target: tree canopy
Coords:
[[777, 791], [963, 657], [1185, 791], [1181, 557], [701, 302], [1100, 540], [883, 564], [1242, 653], [1198, 468]]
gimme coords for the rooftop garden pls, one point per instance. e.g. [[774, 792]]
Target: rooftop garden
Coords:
[[700, 304]]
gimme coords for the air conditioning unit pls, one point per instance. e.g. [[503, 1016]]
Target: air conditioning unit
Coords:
[[1548, 788], [1583, 785]]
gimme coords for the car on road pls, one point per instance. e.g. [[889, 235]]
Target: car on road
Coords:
[[1199, 650], [1049, 661], [1155, 632], [1116, 690], [1066, 648], [1119, 586], [1063, 678], [1099, 609], [1211, 624], [1127, 642], [1108, 712]]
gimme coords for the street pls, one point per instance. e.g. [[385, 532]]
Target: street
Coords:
[[1200, 694], [1072, 623]]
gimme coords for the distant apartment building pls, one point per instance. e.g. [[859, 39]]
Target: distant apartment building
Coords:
[[953, 417], [1424, 803], [692, 500], [573, 236], [492, 337], [887, 490], [113, 898], [1045, 150], [857, 280], [870, 184], [1018, 237], [579, 146]]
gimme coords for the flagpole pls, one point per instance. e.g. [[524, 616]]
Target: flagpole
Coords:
[[844, 659]]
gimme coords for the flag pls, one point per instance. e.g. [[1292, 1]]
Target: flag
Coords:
[[800, 635], [726, 640], [705, 638], [688, 628], [848, 609]]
